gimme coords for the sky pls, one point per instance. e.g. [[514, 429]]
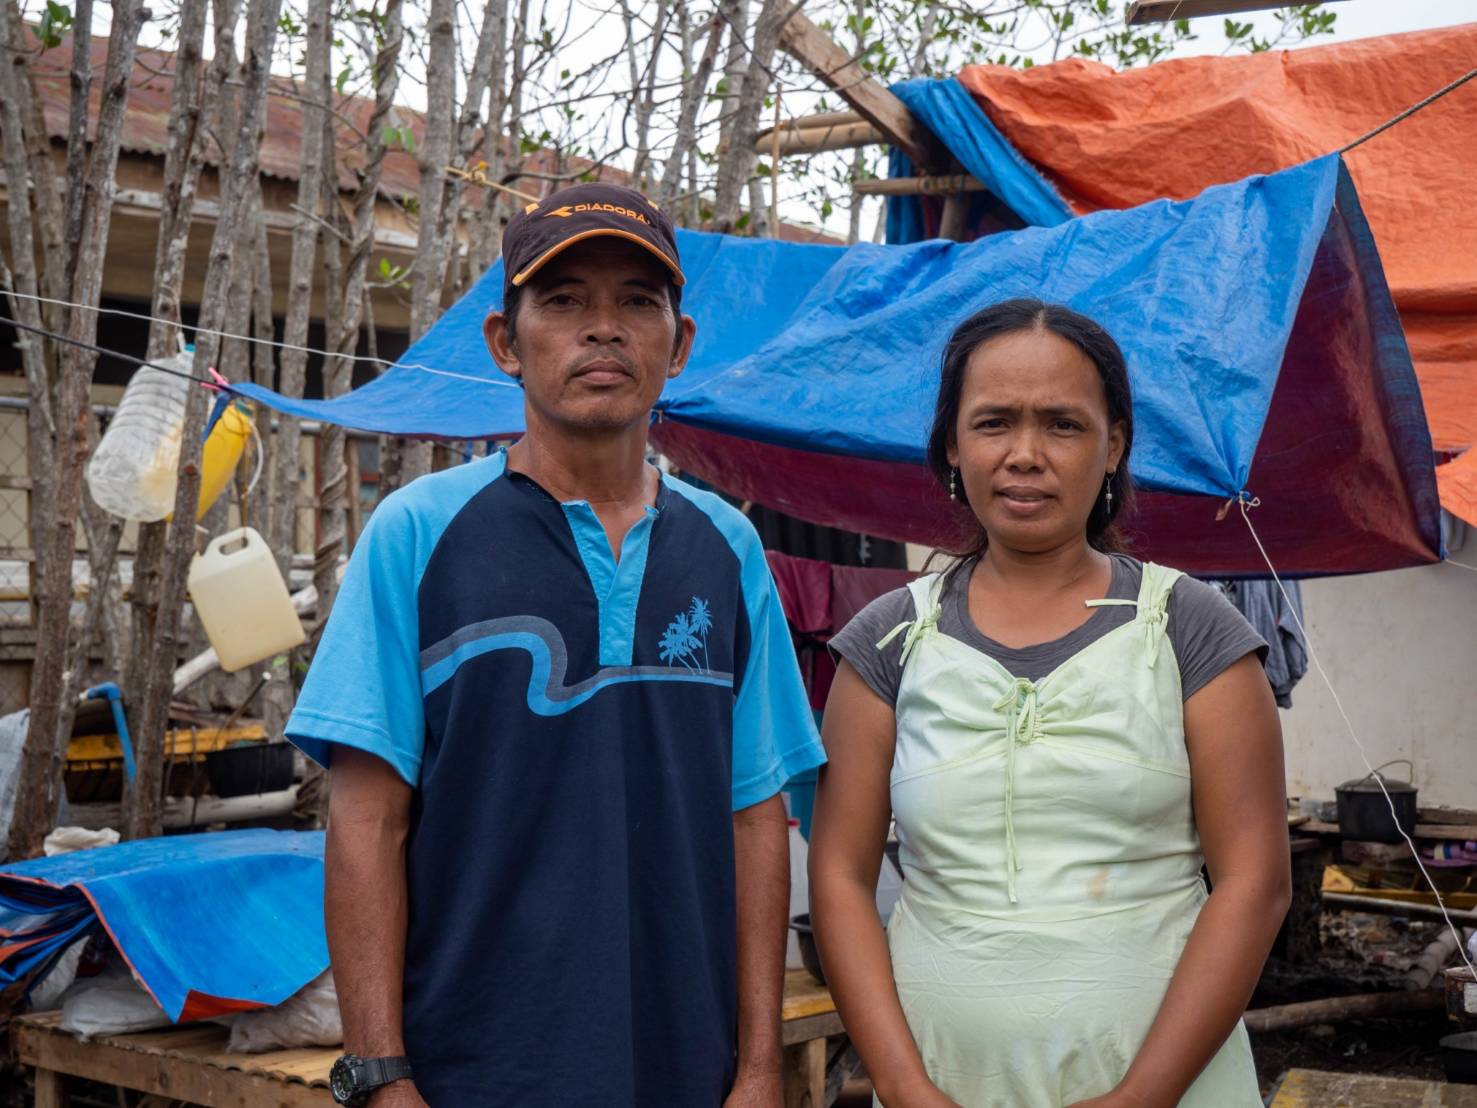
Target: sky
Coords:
[[1356, 19]]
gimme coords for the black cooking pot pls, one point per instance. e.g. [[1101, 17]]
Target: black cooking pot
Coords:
[[1364, 813]]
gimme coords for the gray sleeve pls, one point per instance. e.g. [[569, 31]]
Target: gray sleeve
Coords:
[[882, 670], [1208, 634]]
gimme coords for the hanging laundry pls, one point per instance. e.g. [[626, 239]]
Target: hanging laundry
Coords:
[[1276, 618]]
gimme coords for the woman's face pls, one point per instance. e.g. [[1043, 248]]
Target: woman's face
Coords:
[[1033, 442]]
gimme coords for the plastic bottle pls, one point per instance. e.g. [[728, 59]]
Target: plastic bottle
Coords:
[[242, 601], [134, 471]]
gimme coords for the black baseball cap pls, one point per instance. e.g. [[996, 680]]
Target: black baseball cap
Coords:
[[540, 231]]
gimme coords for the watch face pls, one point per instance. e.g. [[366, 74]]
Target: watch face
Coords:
[[341, 1079]]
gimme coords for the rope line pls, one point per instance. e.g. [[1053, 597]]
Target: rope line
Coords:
[[204, 381], [227, 335], [1353, 734], [1410, 111]]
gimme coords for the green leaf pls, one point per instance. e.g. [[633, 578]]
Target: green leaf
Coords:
[[55, 22], [343, 80]]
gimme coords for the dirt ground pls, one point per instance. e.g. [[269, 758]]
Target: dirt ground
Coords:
[[1359, 954]]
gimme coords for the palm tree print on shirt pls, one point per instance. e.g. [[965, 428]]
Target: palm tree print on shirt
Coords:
[[686, 635]]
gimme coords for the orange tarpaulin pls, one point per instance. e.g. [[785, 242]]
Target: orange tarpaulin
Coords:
[[1114, 140]]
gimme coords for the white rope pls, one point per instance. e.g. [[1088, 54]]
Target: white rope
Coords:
[[1459, 565], [1348, 723], [261, 455], [268, 342]]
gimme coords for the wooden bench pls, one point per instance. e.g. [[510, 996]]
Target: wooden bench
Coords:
[[1320, 1089], [191, 1063]]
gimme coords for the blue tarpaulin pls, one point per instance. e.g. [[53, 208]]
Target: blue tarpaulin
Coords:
[[210, 924], [1245, 313]]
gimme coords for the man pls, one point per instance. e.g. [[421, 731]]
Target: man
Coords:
[[561, 700]]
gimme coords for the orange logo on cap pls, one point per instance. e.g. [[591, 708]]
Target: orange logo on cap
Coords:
[[567, 210]]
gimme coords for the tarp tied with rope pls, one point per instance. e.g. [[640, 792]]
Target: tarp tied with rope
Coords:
[[1266, 359], [1077, 137]]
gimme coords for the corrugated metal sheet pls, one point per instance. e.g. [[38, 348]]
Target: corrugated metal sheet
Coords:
[[146, 129]]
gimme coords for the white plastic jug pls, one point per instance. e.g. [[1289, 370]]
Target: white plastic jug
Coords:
[[242, 600], [134, 471]]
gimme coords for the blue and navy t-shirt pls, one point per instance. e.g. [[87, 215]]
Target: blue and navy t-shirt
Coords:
[[579, 730]]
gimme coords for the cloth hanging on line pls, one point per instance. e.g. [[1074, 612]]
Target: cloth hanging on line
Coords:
[[1276, 618]]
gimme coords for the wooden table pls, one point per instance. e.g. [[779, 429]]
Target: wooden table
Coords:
[[1319, 1089], [191, 1063]]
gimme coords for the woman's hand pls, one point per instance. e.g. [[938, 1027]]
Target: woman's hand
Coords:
[[924, 1094]]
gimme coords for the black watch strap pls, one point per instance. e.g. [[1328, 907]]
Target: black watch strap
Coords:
[[381, 1071]]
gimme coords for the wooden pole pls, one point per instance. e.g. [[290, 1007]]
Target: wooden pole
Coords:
[[919, 186], [1285, 1017], [804, 138]]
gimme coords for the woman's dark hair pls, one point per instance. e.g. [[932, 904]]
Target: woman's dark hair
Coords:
[[1010, 317]]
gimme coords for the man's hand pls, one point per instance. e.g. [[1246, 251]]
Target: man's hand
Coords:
[[756, 1090], [397, 1094]]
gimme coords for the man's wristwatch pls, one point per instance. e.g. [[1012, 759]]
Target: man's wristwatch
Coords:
[[352, 1078]]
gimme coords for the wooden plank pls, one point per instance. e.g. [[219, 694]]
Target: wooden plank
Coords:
[[1454, 831], [955, 218], [1142, 12], [949, 184], [50, 1092], [113, 1060], [805, 1074], [804, 996], [819, 53], [792, 139], [811, 1027], [1320, 1089]]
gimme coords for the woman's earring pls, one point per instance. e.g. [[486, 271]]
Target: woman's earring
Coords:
[[954, 484], [1108, 493]]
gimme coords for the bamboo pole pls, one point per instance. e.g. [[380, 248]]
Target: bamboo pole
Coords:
[[919, 186], [809, 139]]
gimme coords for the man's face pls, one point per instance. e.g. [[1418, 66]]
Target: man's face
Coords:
[[596, 337]]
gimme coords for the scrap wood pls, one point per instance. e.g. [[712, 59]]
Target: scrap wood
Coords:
[[1319, 1089], [1400, 886], [1284, 1017]]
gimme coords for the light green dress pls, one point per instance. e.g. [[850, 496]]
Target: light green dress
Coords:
[[1051, 862]]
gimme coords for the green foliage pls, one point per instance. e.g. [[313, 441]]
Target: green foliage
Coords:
[[393, 274], [404, 137], [56, 21]]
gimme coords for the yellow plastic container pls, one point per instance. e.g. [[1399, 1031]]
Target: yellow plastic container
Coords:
[[222, 454], [242, 600]]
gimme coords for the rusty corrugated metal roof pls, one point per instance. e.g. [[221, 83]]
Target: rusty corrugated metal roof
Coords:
[[146, 128]]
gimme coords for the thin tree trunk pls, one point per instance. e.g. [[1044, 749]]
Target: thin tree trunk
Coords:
[[23, 278], [143, 800], [48, 187], [81, 85], [282, 511], [38, 784], [428, 278], [738, 154], [694, 94], [462, 144], [487, 233], [858, 157], [337, 371], [190, 112], [189, 122]]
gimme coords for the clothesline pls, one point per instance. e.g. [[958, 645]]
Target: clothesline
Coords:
[[1456, 932], [145, 317]]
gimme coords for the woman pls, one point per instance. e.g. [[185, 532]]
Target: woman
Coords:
[[1064, 735]]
